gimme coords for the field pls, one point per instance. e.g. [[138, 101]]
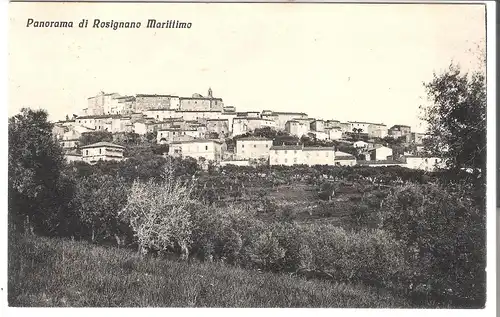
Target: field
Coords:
[[45, 272]]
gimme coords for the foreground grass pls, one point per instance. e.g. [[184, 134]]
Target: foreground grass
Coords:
[[56, 272]]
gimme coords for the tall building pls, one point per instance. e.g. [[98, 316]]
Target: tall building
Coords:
[[199, 102]]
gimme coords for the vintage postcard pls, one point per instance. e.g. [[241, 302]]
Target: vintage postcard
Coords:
[[251, 155]]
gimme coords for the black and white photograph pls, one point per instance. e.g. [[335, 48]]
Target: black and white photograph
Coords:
[[250, 155]]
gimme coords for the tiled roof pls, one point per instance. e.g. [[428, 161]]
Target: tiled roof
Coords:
[[318, 148], [197, 141], [364, 122], [102, 144], [290, 113], [343, 155], [200, 98], [150, 95], [253, 138], [381, 162], [286, 147], [108, 116]]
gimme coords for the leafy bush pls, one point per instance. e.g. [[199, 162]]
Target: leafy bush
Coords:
[[443, 235], [97, 201]]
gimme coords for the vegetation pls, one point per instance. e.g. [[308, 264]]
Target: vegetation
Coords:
[[457, 118], [396, 230], [60, 273]]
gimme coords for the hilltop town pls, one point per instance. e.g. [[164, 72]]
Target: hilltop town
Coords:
[[203, 128]]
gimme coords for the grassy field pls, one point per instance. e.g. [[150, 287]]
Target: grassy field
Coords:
[[55, 272]]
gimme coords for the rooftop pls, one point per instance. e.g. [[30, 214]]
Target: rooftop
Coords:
[[398, 126], [290, 113], [364, 122], [103, 94], [105, 116], [318, 148], [154, 95], [198, 141], [102, 144], [286, 147], [343, 155], [200, 98], [253, 138], [382, 162]]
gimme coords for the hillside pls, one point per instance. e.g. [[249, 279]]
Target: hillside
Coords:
[[47, 272]]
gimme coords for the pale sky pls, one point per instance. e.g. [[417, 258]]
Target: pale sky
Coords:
[[333, 61]]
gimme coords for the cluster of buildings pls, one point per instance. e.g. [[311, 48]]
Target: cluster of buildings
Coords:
[[197, 127]]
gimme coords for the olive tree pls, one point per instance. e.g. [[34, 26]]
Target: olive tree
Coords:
[[158, 213]]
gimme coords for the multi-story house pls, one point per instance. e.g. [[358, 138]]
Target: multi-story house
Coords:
[[103, 151], [298, 154], [398, 130], [210, 150], [253, 148]]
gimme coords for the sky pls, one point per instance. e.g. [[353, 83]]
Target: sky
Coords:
[[349, 62]]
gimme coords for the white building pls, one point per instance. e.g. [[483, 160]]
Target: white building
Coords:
[[72, 157], [286, 155], [334, 133], [424, 163], [344, 159], [298, 154], [283, 117], [322, 136], [381, 153], [242, 125], [164, 136], [104, 151], [318, 156], [253, 148], [297, 128], [360, 145], [210, 150]]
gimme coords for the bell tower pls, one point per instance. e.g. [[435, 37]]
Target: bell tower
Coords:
[[210, 92]]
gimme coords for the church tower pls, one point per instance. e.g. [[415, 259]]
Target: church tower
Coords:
[[210, 92]]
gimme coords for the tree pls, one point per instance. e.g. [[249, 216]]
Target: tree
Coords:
[[158, 213], [93, 137], [442, 230], [35, 163], [457, 118], [97, 200]]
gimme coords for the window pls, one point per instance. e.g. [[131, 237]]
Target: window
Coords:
[[100, 151], [254, 145], [285, 151], [276, 160], [243, 145], [267, 145], [295, 151], [326, 154], [286, 160], [86, 152], [206, 148], [295, 160], [276, 152]]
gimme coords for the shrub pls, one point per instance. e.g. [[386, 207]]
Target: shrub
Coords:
[[264, 251], [443, 235], [97, 201]]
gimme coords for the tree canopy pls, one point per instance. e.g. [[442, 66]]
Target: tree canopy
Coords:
[[35, 163], [457, 118]]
